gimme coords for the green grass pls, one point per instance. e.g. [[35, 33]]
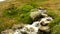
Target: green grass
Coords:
[[24, 14], [55, 24], [11, 12], [56, 29], [55, 16], [19, 12], [20, 15]]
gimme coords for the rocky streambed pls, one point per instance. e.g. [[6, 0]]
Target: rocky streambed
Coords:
[[39, 26]]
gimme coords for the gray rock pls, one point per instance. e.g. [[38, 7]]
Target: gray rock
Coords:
[[44, 28], [45, 21], [37, 13]]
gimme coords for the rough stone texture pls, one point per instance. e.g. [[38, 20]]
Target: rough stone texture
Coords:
[[44, 28], [45, 21], [38, 14], [35, 15]]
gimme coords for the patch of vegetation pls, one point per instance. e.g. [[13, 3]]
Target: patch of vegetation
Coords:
[[6, 25], [22, 15], [26, 8], [33, 4], [56, 21], [51, 13], [25, 11], [11, 12], [56, 29], [1, 26], [55, 16]]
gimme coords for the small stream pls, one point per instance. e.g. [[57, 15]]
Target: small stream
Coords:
[[37, 27]]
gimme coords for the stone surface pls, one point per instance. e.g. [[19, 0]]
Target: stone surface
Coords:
[[44, 28], [35, 15], [46, 20]]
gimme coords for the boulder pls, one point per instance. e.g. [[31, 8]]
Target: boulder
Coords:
[[45, 21], [35, 15], [44, 28], [38, 13]]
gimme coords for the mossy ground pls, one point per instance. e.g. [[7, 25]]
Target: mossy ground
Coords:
[[19, 12]]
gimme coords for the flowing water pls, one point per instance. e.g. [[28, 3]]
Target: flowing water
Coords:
[[34, 27], [37, 27]]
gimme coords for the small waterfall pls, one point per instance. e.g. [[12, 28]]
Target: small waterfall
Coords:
[[17, 32], [37, 27]]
